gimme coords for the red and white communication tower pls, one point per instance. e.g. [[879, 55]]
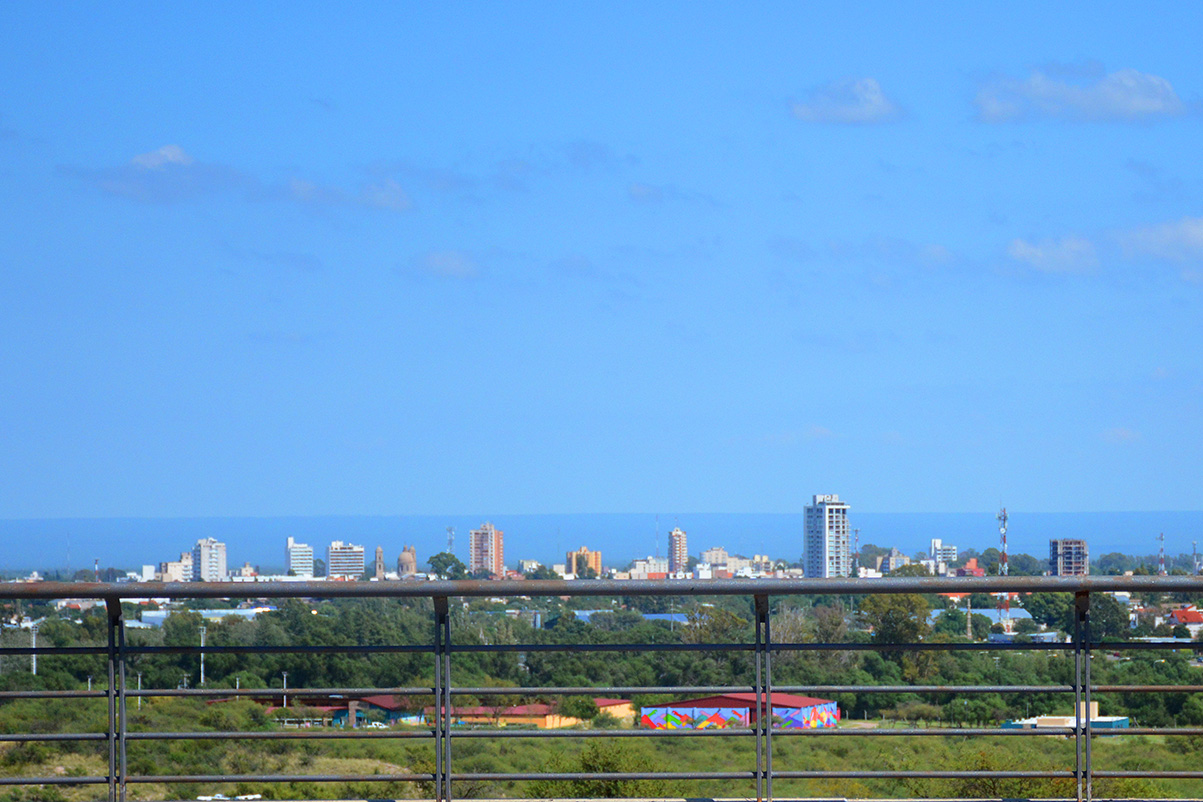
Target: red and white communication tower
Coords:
[[1161, 556], [1004, 598]]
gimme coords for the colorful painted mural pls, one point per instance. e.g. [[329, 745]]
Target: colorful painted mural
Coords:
[[672, 717]]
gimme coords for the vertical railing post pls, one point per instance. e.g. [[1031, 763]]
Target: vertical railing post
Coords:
[[766, 640], [442, 701], [1081, 605], [116, 722], [1082, 609], [757, 727]]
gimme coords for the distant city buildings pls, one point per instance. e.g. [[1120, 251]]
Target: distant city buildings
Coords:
[[577, 561], [344, 560], [379, 563], [407, 562], [177, 570], [209, 561], [827, 538], [486, 550], [1068, 557], [941, 553], [649, 568], [298, 558], [678, 552], [895, 559], [716, 555]]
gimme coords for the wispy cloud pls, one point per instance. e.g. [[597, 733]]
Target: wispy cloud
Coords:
[[170, 174], [850, 101], [1066, 255], [1179, 241], [1084, 95]]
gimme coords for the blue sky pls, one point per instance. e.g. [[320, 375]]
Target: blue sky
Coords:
[[545, 258]]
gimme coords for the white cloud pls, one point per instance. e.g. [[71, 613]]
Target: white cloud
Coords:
[[1066, 255], [1125, 95], [1179, 241], [168, 154], [849, 101]]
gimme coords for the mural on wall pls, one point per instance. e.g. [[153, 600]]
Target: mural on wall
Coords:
[[700, 718]]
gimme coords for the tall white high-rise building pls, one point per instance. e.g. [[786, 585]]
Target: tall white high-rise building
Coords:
[[827, 538], [298, 558], [344, 560], [209, 561]]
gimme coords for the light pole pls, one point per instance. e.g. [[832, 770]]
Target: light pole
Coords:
[[33, 642], [285, 673], [202, 654], [89, 682], [139, 690]]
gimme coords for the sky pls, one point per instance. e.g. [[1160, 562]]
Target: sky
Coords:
[[416, 259]]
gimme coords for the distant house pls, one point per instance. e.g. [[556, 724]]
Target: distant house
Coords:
[[741, 710], [971, 568], [1189, 617], [539, 715]]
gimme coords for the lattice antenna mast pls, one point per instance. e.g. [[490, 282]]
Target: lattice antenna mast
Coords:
[[856, 552], [1004, 598], [1161, 555], [451, 540]]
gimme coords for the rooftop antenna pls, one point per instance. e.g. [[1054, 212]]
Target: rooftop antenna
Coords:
[[450, 539], [1004, 598], [1161, 555], [856, 552]]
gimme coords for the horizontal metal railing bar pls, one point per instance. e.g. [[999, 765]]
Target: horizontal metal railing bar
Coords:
[[597, 587], [52, 694], [274, 778], [923, 688], [52, 736], [507, 732], [57, 779], [609, 691], [1096, 731], [821, 732], [281, 735], [1152, 775], [1146, 688], [348, 649], [607, 775], [935, 775], [26, 651], [603, 647], [351, 693], [878, 732], [874, 646]]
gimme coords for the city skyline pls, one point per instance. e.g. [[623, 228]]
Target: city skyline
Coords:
[[936, 257]]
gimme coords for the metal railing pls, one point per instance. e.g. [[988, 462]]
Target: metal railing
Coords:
[[117, 654]]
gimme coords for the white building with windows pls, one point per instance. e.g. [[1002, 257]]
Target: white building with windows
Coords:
[[827, 538], [941, 553], [298, 558], [209, 561], [344, 560]]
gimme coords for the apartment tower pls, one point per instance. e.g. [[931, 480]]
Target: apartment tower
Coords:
[[298, 558], [486, 550], [209, 561], [1068, 557], [344, 560], [678, 552], [827, 539]]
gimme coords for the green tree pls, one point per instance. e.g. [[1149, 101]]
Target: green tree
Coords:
[[1050, 609], [896, 618], [446, 565]]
